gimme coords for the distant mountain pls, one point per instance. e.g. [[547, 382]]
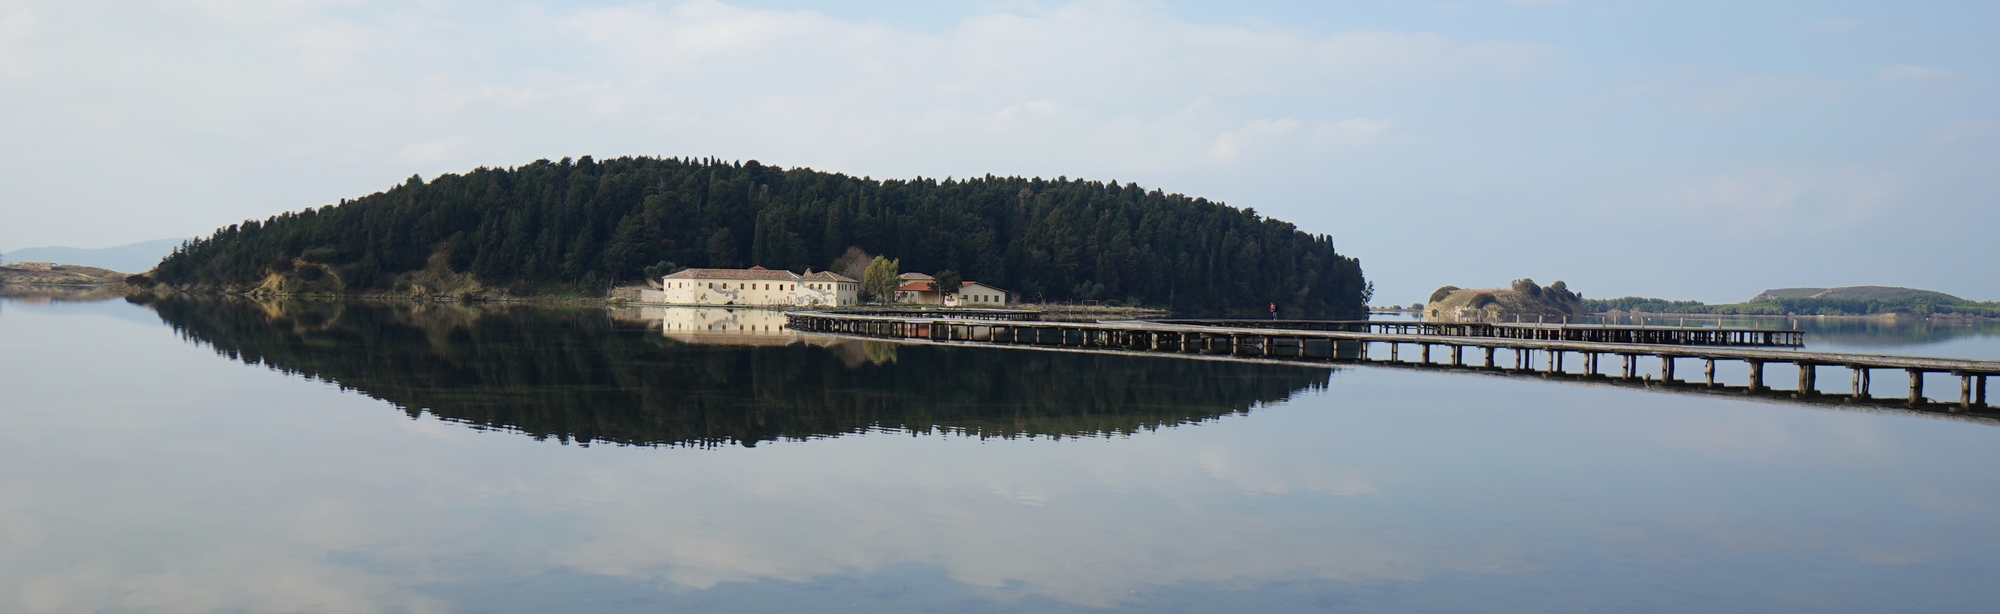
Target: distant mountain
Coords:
[[134, 258], [1858, 293]]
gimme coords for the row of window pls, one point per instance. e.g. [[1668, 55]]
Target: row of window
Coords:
[[750, 286]]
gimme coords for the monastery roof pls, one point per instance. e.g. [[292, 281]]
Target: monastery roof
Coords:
[[926, 286], [750, 273], [828, 276]]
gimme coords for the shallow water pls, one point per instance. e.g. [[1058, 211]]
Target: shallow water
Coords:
[[352, 458]]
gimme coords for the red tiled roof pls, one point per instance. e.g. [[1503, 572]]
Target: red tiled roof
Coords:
[[755, 273], [917, 286]]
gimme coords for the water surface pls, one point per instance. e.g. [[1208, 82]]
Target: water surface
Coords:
[[240, 456]]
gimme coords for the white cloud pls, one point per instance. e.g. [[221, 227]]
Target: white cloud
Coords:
[[17, 31], [1914, 74], [1348, 133], [230, 100]]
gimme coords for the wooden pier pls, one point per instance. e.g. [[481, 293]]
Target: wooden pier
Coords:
[[1601, 333], [1525, 348]]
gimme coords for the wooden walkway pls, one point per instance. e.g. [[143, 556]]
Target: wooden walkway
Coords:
[[1524, 354], [1669, 335]]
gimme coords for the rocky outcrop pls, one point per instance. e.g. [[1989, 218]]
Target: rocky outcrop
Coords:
[[1523, 301]]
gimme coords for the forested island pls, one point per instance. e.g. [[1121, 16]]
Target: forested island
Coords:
[[581, 226]]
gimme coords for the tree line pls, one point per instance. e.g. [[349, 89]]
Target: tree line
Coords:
[[584, 224]]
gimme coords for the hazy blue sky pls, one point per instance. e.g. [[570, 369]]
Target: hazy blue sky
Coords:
[[1702, 150]]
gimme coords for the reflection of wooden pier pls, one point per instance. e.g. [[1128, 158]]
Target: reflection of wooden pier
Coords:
[[1527, 348]]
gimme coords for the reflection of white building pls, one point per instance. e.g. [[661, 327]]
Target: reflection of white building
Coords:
[[722, 326], [699, 321], [760, 287]]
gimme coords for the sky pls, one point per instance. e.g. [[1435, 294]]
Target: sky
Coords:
[[1687, 150]]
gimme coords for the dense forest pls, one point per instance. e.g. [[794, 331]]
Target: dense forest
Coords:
[[578, 376], [586, 224]]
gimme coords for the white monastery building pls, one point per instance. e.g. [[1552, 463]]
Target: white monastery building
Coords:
[[760, 287]]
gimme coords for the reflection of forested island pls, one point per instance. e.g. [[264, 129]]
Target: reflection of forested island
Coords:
[[579, 375]]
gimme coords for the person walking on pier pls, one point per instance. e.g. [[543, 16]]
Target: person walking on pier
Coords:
[[1274, 311]]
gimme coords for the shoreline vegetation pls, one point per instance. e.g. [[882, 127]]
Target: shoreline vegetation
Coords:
[[578, 228]]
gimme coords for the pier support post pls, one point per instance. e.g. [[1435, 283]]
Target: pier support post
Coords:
[[1916, 386], [1489, 356], [1708, 370], [1458, 356], [1756, 375], [1979, 392], [1666, 369], [1808, 379], [1965, 391], [1395, 350], [1427, 353], [1627, 369]]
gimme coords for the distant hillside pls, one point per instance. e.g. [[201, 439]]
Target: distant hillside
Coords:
[[133, 258], [1860, 293], [1848, 301], [578, 226]]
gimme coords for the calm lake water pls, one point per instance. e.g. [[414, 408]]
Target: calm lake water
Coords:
[[325, 457]]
